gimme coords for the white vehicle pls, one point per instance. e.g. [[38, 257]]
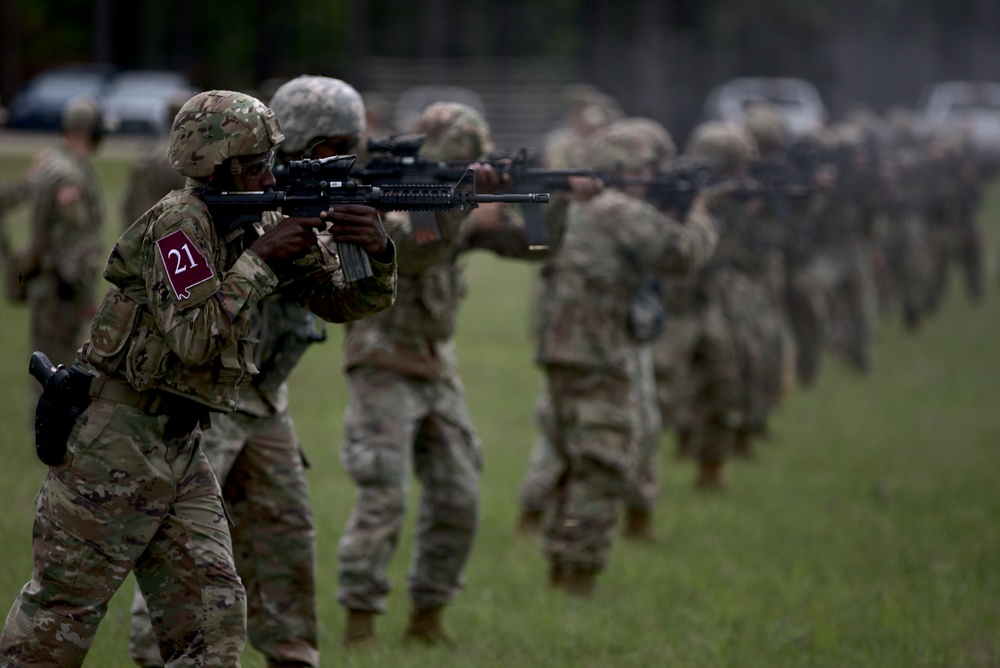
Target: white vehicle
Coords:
[[797, 99], [139, 99], [971, 107]]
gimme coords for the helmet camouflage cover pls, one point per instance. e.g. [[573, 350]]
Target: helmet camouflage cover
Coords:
[[623, 145], [657, 136], [310, 107], [453, 131], [725, 147], [218, 125]]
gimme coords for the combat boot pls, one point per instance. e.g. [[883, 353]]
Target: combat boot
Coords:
[[425, 627], [529, 523], [710, 477], [272, 663], [639, 526], [578, 581], [360, 629], [555, 575]]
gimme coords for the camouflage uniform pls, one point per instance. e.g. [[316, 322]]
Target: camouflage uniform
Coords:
[[135, 493], [646, 321], [952, 197], [407, 409], [709, 358], [254, 451], [610, 244], [150, 177], [65, 252]]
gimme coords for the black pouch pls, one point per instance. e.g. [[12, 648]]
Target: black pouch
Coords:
[[65, 395], [647, 316]]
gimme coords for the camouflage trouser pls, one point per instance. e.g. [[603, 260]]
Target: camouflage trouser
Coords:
[[396, 424], [705, 387], [848, 278], [546, 467], [126, 500], [955, 241], [274, 538], [908, 253], [594, 418], [808, 316]]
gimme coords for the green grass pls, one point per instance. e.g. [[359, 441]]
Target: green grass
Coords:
[[864, 534]]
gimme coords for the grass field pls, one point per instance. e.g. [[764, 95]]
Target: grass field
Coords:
[[866, 533]]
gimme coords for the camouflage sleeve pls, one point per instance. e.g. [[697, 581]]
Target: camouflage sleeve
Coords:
[[200, 308], [319, 285], [689, 246], [64, 236], [408, 229]]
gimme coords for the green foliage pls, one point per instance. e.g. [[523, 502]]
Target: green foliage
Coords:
[[863, 535]]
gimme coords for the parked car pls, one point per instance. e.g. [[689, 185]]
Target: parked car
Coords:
[[972, 107], [39, 105], [139, 99], [797, 99]]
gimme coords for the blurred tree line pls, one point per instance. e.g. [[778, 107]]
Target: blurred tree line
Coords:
[[659, 57]]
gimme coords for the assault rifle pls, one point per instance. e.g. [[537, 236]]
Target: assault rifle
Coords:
[[313, 186], [395, 159], [672, 190]]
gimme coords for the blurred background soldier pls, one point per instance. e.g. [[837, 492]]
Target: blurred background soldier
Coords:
[[707, 356], [587, 111], [407, 410], [647, 318], [254, 450], [62, 263], [150, 175], [610, 245], [953, 192]]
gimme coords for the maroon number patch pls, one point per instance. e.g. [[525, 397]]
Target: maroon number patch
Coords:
[[186, 266]]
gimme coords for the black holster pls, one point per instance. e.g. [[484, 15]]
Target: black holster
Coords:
[[65, 395]]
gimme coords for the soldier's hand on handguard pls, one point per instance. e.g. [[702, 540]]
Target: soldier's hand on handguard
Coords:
[[359, 225], [583, 188], [286, 241], [488, 179]]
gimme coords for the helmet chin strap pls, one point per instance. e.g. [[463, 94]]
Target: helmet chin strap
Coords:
[[237, 173]]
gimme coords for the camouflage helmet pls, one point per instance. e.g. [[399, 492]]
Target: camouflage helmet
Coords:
[[453, 131], [218, 125], [767, 126], [620, 145], [657, 136], [727, 148], [311, 107], [83, 114]]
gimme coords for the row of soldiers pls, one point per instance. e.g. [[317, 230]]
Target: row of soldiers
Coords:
[[680, 294], [820, 234]]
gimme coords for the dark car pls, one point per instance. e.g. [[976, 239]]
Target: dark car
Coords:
[[139, 99], [39, 105]]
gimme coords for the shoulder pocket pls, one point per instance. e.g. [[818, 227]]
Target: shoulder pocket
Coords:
[[111, 329]]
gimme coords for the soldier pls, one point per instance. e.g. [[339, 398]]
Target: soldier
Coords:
[[646, 320], [712, 337], [407, 409], [254, 450], [130, 490], [60, 265], [150, 175], [609, 246], [587, 111]]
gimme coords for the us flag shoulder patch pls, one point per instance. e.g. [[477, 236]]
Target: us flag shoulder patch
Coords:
[[186, 267]]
